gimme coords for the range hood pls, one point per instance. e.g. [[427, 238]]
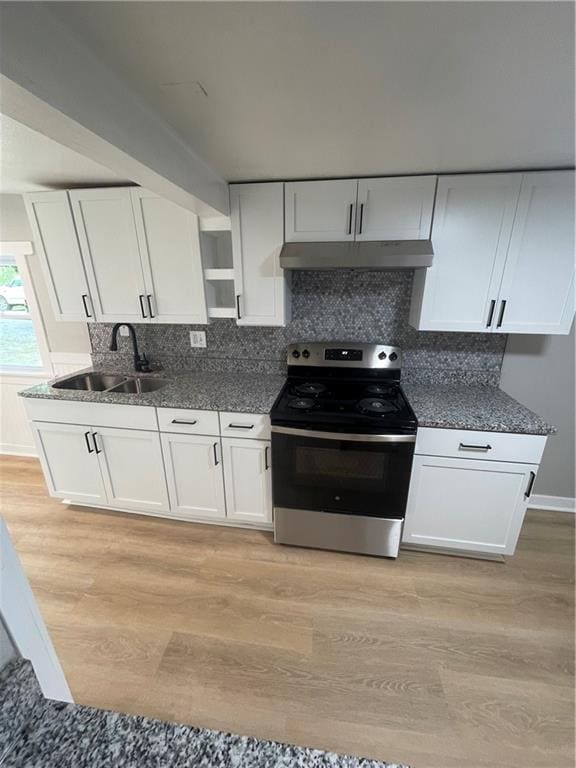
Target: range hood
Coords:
[[366, 254]]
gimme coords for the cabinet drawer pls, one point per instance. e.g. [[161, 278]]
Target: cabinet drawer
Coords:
[[93, 414], [187, 421], [491, 446], [253, 425]]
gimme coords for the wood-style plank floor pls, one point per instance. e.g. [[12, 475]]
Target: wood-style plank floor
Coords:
[[429, 660]]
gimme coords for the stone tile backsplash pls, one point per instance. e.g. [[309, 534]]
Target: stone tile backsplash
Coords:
[[326, 306]]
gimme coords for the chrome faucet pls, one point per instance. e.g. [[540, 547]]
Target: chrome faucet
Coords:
[[141, 363]]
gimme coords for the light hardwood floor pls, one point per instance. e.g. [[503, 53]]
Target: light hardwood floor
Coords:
[[430, 660]]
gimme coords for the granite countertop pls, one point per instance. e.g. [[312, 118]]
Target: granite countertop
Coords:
[[466, 406], [204, 390], [446, 406]]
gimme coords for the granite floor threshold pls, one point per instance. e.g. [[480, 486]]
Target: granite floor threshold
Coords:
[[76, 736]]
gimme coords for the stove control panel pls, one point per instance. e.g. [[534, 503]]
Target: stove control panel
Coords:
[[344, 354]]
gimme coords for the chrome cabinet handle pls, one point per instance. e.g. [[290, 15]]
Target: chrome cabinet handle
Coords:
[[528, 491], [238, 315], [87, 438], [141, 299], [350, 218], [266, 459], [183, 421], [149, 300], [472, 447], [501, 315], [215, 449], [361, 219], [85, 302], [240, 426], [95, 443], [491, 313]]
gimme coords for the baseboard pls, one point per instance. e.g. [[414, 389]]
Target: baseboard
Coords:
[[553, 503], [9, 449]]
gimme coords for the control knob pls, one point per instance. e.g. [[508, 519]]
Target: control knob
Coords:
[[305, 353], [382, 355], [392, 356], [296, 354]]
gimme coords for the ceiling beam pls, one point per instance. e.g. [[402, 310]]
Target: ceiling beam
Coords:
[[53, 83]]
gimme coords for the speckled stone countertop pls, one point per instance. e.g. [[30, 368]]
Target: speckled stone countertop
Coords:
[[204, 390], [447, 406], [466, 406], [75, 736]]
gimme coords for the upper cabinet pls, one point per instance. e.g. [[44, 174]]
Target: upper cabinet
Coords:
[[262, 290], [393, 208], [57, 247], [169, 244], [107, 233], [503, 255]]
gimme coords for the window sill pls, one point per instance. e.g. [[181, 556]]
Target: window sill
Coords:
[[25, 373]]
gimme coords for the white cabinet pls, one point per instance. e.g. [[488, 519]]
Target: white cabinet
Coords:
[[257, 215], [503, 255], [473, 221], [194, 475], [247, 478], [537, 291], [107, 234], [56, 244], [70, 462], [320, 210], [467, 504], [395, 208], [132, 469], [169, 242]]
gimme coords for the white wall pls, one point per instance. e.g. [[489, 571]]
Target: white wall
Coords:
[[539, 371]]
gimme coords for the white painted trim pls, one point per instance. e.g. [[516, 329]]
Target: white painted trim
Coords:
[[24, 622], [553, 503], [16, 248], [11, 449]]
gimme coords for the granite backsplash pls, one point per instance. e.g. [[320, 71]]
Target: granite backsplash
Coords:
[[326, 306]]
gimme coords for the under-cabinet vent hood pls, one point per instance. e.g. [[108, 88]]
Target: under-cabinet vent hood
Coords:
[[388, 254]]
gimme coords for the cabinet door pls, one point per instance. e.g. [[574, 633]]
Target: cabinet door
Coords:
[[395, 208], [538, 283], [107, 234], [132, 469], [257, 215], [169, 243], [319, 211], [471, 230], [247, 480], [467, 504], [56, 244], [69, 462], [194, 475]]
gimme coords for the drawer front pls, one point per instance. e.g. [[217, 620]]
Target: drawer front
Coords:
[[188, 421], [490, 446], [252, 425], [92, 414]]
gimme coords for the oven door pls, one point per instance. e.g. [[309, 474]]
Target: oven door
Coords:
[[364, 475]]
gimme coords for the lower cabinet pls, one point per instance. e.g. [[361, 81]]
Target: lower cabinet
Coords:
[[103, 466], [467, 504], [194, 475], [247, 478]]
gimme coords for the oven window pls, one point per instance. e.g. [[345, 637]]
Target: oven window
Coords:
[[341, 476]]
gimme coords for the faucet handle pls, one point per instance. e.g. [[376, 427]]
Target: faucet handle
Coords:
[[143, 364]]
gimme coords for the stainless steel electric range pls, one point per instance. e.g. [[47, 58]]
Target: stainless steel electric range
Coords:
[[343, 439]]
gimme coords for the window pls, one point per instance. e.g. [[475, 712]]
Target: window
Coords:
[[21, 344]]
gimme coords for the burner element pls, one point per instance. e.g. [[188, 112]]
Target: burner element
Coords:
[[301, 403], [380, 390], [310, 388], [375, 405]]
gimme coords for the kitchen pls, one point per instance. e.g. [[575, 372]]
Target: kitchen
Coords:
[[325, 364]]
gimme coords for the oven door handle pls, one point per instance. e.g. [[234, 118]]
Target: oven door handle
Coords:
[[344, 436]]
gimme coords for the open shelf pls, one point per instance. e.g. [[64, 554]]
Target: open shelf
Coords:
[[216, 246]]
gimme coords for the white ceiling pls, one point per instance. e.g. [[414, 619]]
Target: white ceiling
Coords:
[[30, 162], [328, 89]]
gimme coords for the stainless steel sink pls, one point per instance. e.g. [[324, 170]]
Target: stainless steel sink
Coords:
[[109, 382], [139, 385], [90, 382]]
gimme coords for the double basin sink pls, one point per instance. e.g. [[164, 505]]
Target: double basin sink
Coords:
[[108, 382]]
